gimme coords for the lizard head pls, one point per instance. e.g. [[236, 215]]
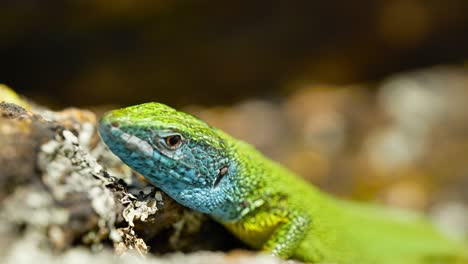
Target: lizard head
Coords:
[[177, 152]]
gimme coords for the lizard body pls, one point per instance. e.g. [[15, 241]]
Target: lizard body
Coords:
[[260, 201]]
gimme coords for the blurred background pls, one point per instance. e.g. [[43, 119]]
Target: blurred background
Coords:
[[181, 52], [366, 100]]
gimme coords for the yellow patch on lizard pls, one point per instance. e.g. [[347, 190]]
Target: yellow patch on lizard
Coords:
[[9, 96], [256, 228]]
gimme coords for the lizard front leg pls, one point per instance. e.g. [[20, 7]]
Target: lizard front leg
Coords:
[[275, 229], [287, 236]]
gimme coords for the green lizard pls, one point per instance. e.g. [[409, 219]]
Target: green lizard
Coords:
[[261, 202]]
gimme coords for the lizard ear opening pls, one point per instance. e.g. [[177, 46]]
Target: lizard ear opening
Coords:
[[223, 171]]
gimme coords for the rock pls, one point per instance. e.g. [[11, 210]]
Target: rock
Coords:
[[60, 185]]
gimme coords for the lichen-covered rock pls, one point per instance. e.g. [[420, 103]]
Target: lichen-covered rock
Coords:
[[60, 187], [21, 135]]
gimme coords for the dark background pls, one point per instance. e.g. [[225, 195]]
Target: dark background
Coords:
[[179, 52]]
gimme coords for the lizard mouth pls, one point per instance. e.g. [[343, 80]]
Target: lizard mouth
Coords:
[[222, 172], [112, 131]]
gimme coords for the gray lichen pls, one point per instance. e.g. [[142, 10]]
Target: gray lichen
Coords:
[[66, 198], [74, 196], [68, 168]]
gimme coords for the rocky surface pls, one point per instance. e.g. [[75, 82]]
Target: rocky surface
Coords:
[[62, 192]]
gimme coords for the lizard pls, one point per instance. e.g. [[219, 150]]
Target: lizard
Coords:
[[260, 201]]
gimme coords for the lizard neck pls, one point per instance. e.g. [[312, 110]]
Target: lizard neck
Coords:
[[246, 182]]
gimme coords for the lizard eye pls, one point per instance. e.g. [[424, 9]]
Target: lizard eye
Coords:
[[173, 142]]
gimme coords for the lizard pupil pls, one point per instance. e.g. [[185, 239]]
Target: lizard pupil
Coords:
[[173, 141]]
